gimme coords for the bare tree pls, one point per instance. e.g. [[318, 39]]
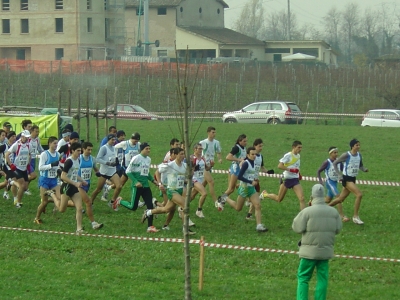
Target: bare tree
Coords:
[[331, 22], [251, 19], [389, 20], [277, 25], [349, 26]]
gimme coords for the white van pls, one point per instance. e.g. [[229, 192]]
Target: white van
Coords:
[[382, 118]]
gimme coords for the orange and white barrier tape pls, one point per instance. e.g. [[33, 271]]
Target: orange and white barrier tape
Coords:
[[202, 243]]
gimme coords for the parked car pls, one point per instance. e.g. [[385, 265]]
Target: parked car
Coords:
[[134, 112], [271, 112], [382, 118]]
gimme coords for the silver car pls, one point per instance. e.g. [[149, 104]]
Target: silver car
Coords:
[[382, 118], [271, 112]]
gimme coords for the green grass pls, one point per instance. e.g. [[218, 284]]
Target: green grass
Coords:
[[49, 266]]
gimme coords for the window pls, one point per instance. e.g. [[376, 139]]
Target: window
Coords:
[[24, 25], [162, 53], [277, 50], [59, 4], [59, 53], [308, 51], [141, 12], [162, 11], [218, 11], [24, 5], [264, 106], [5, 4], [6, 26], [89, 24], [59, 25], [277, 57], [21, 54], [200, 10], [106, 28], [88, 4], [105, 4]]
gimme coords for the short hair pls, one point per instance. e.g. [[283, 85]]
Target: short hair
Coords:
[[179, 149], [111, 128], [173, 141], [1, 131], [331, 148], [86, 144], [198, 145], [175, 150], [75, 146], [34, 127], [296, 143], [250, 149], [257, 142], [25, 123], [10, 134], [51, 140], [210, 128]]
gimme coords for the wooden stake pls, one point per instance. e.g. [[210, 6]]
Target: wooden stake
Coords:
[[201, 266], [87, 115]]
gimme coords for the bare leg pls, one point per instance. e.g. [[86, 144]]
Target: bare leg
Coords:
[[298, 190], [78, 206], [281, 194]]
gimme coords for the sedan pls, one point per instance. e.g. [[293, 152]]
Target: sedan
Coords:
[[133, 112]]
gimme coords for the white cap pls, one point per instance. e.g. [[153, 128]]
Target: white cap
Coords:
[[26, 133]]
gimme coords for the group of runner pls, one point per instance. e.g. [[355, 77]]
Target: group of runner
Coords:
[[67, 166]]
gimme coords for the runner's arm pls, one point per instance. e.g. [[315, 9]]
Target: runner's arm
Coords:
[[243, 169], [321, 169], [340, 159]]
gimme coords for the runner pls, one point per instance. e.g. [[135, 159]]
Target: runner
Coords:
[[72, 184], [176, 171], [236, 156], [26, 125], [331, 180], [352, 163], [111, 130], [48, 165], [20, 165], [10, 175], [211, 147], [247, 174], [3, 169], [290, 164], [108, 160], [138, 172], [87, 163], [34, 142]]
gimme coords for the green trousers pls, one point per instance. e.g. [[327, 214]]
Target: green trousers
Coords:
[[304, 274]]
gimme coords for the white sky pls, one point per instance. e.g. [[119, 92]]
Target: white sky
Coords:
[[309, 11]]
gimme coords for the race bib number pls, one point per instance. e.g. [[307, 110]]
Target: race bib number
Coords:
[[86, 173], [23, 161], [199, 174], [180, 182], [257, 168], [144, 170], [74, 175], [52, 173], [251, 177]]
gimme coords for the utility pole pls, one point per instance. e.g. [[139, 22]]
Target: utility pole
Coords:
[[288, 22]]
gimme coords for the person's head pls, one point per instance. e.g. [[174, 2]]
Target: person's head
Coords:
[[26, 124], [333, 152], [2, 135], [112, 130], [74, 137], [145, 149], [172, 153], [258, 145], [198, 149], [87, 148], [69, 127], [121, 135], [296, 147], [251, 153], [180, 156], [7, 127], [211, 132], [135, 138], [174, 143], [34, 131], [65, 134], [11, 136], [355, 145], [52, 142], [242, 140], [318, 193], [111, 139], [76, 149], [25, 135]]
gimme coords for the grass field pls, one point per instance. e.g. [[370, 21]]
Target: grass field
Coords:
[[48, 266]]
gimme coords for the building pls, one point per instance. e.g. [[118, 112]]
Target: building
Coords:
[[276, 50], [58, 29]]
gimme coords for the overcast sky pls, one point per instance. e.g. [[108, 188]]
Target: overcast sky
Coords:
[[306, 10]]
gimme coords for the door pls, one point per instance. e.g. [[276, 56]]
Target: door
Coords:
[[261, 115], [390, 119], [248, 114]]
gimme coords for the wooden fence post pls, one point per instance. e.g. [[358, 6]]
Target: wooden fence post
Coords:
[[106, 110], [87, 116]]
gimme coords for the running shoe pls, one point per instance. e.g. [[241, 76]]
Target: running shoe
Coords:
[[144, 216], [115, 204], [38, 221], [249, 217], [6, 195], [96, 225], [152, 229], [263, 195], [80, 231], [191, 223], [165, 227], [199, 213], [28, 192], [18, 205], [154, 200], [261, 228], [49, 193], [9, 184], [190, 232], [357, 221], [104, 196], [141, 204], [247, 203]]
